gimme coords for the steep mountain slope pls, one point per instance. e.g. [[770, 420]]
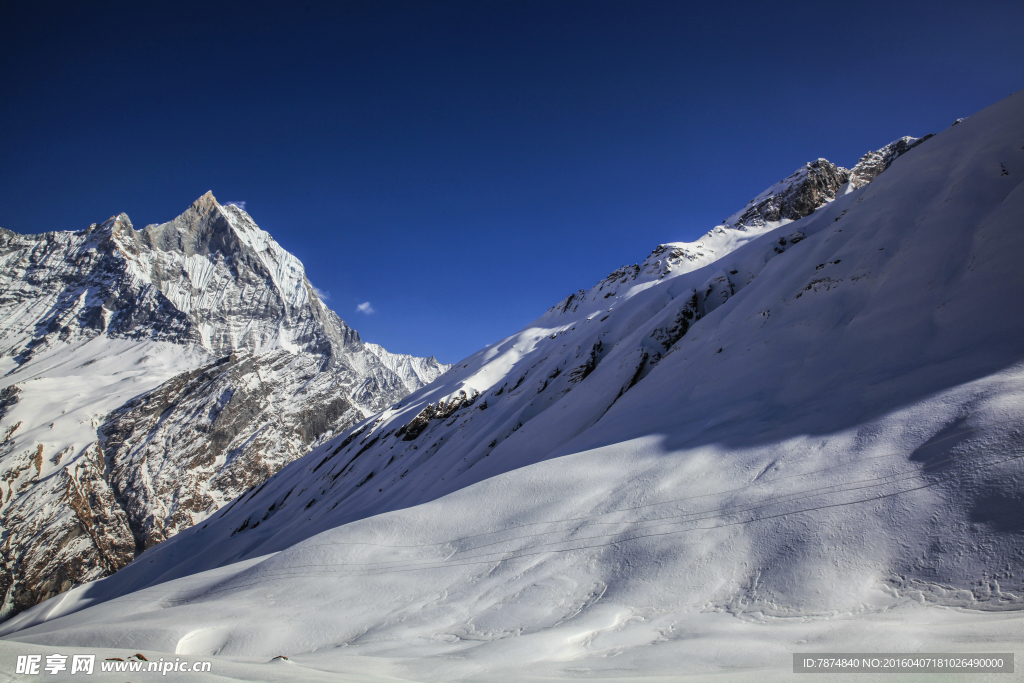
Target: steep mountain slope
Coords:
[[813, 419], [91, 321]]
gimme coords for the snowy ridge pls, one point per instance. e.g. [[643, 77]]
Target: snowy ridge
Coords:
[[810, 187], [818, 434]]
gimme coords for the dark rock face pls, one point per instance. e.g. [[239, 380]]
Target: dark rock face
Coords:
[[182, 451], [669, 334], [8, 398], [801, 193], [873, 163], [441, 411], [62, 530]]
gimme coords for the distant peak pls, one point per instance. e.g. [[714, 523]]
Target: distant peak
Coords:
[[202, 229], [204, 204], [207, 199], [114, 224]]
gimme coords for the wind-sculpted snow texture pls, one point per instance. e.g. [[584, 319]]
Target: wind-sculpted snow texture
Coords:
[[93, 319], [816, 417]]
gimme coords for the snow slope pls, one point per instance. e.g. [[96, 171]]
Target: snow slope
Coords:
[[816, 431]]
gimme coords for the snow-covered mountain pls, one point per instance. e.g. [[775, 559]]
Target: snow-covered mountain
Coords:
[[415, 372], [798, 432], [151, 376]]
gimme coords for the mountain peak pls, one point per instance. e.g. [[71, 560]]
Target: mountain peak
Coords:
[[202, 229], [195, 350], [205, 203]]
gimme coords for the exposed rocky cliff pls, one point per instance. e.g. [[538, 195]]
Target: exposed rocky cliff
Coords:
[[60, 529], [873, 163], [814, 184], [180, 452], [119, 426]]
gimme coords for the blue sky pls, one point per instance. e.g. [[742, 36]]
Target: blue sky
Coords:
[[462, 166]]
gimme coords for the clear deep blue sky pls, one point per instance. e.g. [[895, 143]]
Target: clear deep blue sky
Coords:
[[462, 166]]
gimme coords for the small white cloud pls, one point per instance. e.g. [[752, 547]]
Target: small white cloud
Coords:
[[365, 307], [321, 294], [240, 205]]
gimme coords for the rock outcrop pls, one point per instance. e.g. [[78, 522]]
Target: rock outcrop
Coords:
[[180, 452]]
